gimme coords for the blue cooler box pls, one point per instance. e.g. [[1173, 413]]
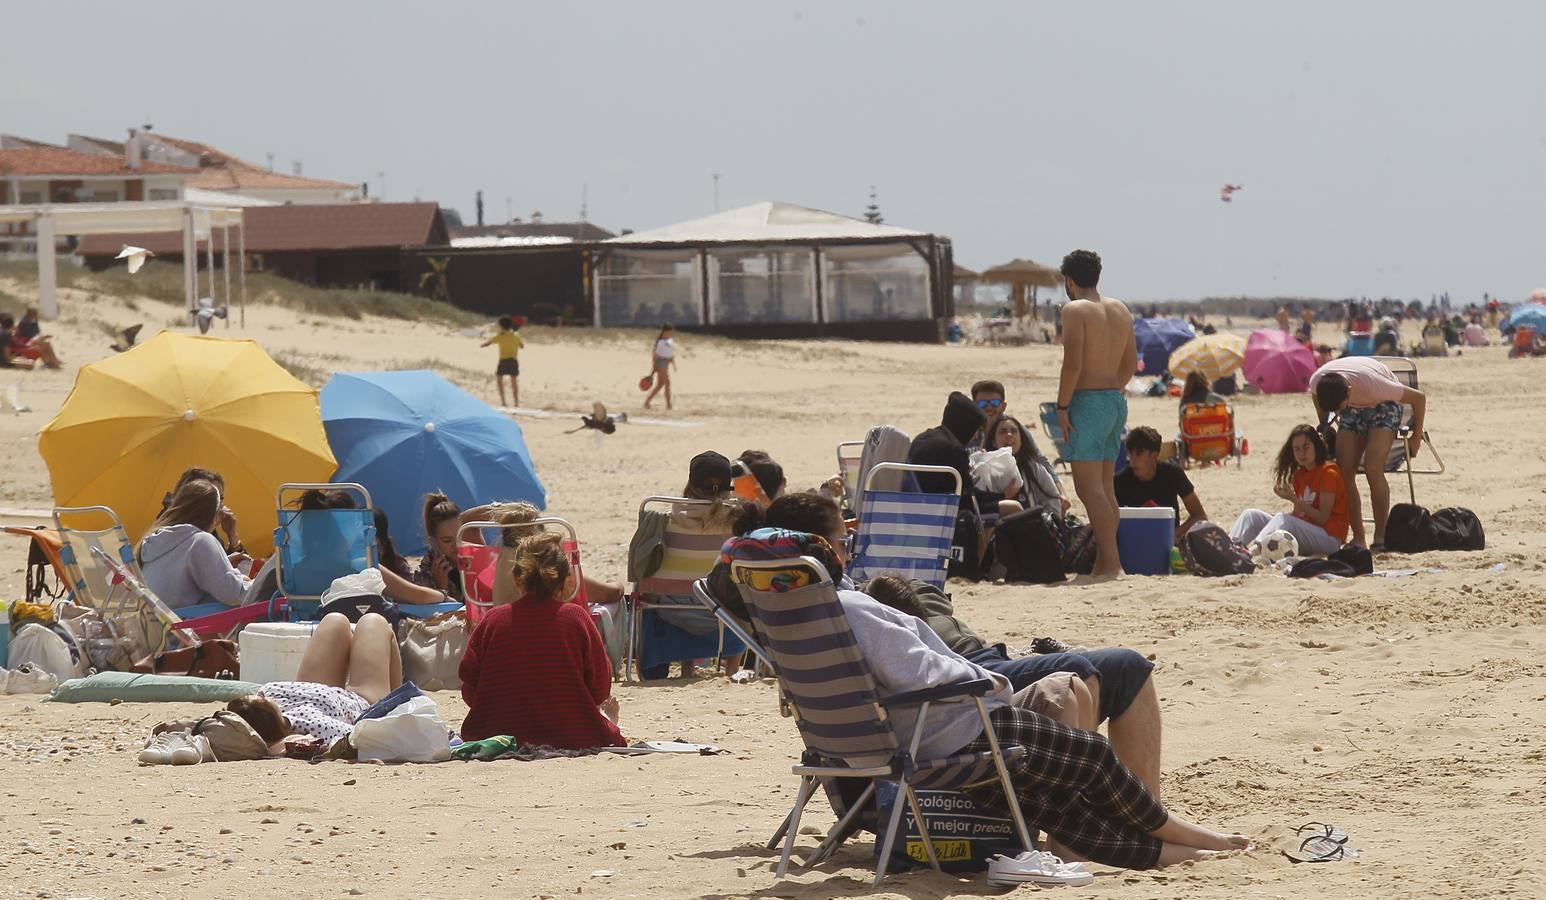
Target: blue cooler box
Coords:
[[1144, 538]]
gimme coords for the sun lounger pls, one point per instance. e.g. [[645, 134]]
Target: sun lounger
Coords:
[[842, 718]]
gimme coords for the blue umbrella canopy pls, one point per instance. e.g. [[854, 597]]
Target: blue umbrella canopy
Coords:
[[1157, 339], [1532, 314], [404, 434]]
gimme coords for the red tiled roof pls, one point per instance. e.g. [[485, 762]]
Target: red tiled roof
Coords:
[[59, 162], [301, 227], [223, 172]]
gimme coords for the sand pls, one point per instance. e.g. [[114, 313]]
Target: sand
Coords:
[[1409, 711]]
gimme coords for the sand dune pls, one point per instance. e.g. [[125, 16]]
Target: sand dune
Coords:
[[1407, 710]]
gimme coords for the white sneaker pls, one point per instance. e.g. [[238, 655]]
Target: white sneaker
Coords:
[[158, 750], [190, 749], [1036, 867], [29, 679]]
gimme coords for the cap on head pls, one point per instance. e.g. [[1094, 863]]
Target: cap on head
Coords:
[[709, 472]]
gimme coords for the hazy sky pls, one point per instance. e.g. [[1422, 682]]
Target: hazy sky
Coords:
[[1384, 147]]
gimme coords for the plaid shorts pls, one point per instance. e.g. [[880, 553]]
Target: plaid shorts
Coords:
[[1070, 784], [1363, 420]]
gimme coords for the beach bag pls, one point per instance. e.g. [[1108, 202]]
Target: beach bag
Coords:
[[411, 731], [432, 650], [211, 659], [1457, 528], [1028, 546], [1208, 550], [49, 648], [230, 738], [1078, 547], [965, 835], [43, 559], [1410, 529], [965, 547]]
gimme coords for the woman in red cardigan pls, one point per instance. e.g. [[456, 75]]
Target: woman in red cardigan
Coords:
[[537, 669]]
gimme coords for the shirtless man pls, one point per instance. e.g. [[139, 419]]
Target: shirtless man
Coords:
[[1100, 356]]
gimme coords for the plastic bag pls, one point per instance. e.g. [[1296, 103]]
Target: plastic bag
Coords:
[[995, 471], [412, 732]]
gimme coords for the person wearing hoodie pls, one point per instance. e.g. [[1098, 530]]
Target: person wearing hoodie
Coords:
[[182, 561], [945, 445]]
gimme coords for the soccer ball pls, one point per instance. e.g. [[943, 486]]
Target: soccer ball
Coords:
[[1274, 547]]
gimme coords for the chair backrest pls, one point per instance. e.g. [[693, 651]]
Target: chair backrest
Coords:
[[316, 546], [1209, 430], [882, 444], [122, 576], [1048, 413], [906, 532], [90, 580], [486, 568], [1405, 371], [796, 613], [689, 553], [849, 454]]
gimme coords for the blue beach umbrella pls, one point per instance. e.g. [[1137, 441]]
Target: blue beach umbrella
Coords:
[[404, 434], [1532, 314], [1157, 339]]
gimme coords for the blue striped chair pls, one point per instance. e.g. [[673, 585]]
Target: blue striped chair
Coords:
[[905, 532], [842, 718]]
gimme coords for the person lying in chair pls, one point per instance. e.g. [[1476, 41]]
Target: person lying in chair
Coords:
[[1067, 781]]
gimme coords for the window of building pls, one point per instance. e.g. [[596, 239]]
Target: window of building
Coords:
[[762, 284], [875, 282], [163, 193], [650, 287]]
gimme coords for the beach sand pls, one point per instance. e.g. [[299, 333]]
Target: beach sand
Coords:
[[1408, 711]]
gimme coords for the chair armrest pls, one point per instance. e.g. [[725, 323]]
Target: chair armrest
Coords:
[[975, 688]]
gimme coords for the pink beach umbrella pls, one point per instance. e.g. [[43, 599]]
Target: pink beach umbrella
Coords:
[[1276, 363]]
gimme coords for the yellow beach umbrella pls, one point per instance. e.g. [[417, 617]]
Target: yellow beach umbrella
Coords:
[[135, 421], [1214, 355]]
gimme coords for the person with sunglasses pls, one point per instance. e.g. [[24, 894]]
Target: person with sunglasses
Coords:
[[989, 397]]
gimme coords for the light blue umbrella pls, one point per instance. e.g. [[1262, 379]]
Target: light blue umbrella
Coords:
[[404, 434], [1532, 314], [1157, 339]]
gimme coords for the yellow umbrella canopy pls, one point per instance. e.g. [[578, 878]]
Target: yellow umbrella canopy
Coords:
[[1214, 355], [135, 421]]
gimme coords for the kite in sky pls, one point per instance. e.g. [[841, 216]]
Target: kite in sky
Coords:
[[1226, 193]]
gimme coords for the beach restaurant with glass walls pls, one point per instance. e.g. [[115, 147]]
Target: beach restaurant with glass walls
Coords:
[[776, 270]]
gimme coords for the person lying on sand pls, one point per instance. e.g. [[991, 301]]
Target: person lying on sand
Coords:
[[341, 674], [537, 669], [1068, 781]]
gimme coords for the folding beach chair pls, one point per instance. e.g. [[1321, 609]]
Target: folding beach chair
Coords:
[[688, 556], [1048, 413], [729, 622], [312, 547], [1398, 460], [844, 722], [1208, 435], [908, 533], [849, 454], [88, 579]]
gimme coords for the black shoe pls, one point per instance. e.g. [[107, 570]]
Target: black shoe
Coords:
[[1050, 645]]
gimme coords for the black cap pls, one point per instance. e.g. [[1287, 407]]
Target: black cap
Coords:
[[709, 472]]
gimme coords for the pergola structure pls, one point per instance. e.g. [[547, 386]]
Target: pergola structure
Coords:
[[196, 222]]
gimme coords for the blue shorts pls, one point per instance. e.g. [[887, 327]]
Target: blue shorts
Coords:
[[1362, 420], [1121, 671], [1098, 418]]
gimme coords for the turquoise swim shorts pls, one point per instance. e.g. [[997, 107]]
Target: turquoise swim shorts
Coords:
[[1098, 418]]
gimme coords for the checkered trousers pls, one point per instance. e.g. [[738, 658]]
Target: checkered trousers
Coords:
[[1071, 785]]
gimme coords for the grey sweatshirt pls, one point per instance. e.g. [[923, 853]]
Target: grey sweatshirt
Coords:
[[185, 565], [905, 655]]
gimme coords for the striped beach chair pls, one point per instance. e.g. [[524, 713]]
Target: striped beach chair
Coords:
[[843, 720], [907, 533], [688, 556]]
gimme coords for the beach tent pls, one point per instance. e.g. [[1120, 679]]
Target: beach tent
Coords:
[[404, 434], [1157, 339], [135, 421], [1276, 363]]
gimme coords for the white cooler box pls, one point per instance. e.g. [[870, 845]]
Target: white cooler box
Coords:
[[272, 651]]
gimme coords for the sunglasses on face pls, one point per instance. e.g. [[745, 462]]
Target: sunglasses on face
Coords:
[[989, 404]]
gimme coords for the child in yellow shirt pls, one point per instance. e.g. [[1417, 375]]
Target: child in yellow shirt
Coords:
[[508, 339]]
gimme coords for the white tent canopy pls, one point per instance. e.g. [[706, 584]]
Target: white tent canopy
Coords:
[[768, 221], [195, 221]]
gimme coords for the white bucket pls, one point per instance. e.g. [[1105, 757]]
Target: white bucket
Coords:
[[272, 651]]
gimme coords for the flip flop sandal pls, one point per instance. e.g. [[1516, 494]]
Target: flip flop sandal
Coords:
[[1325, 843]]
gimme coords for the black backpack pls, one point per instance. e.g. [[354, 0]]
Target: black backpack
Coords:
[[1457, 528], [1209, 550], [966, 546], [1410, 529], [1078, 547], [1027, 544]]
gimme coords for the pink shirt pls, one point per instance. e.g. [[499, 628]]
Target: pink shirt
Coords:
[[1369, 382]]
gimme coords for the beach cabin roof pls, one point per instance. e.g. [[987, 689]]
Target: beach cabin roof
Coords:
[[764, 223]]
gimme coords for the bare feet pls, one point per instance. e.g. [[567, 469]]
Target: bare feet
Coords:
[[1177, 830]]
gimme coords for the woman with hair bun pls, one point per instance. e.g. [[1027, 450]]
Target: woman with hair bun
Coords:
[[537, 669]]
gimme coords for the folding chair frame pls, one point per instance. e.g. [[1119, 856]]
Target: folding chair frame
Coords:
[[1406, 372], [637, 607], [899, 769], [906, 468], [1185, 439], [539, 523], [850, 486], [1046, 413], [69, 555], [281, 534]]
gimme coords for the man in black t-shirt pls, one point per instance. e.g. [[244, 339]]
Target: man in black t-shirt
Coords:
[[1146, 481]]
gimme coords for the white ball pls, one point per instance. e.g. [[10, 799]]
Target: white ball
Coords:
[[1273, 547]]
